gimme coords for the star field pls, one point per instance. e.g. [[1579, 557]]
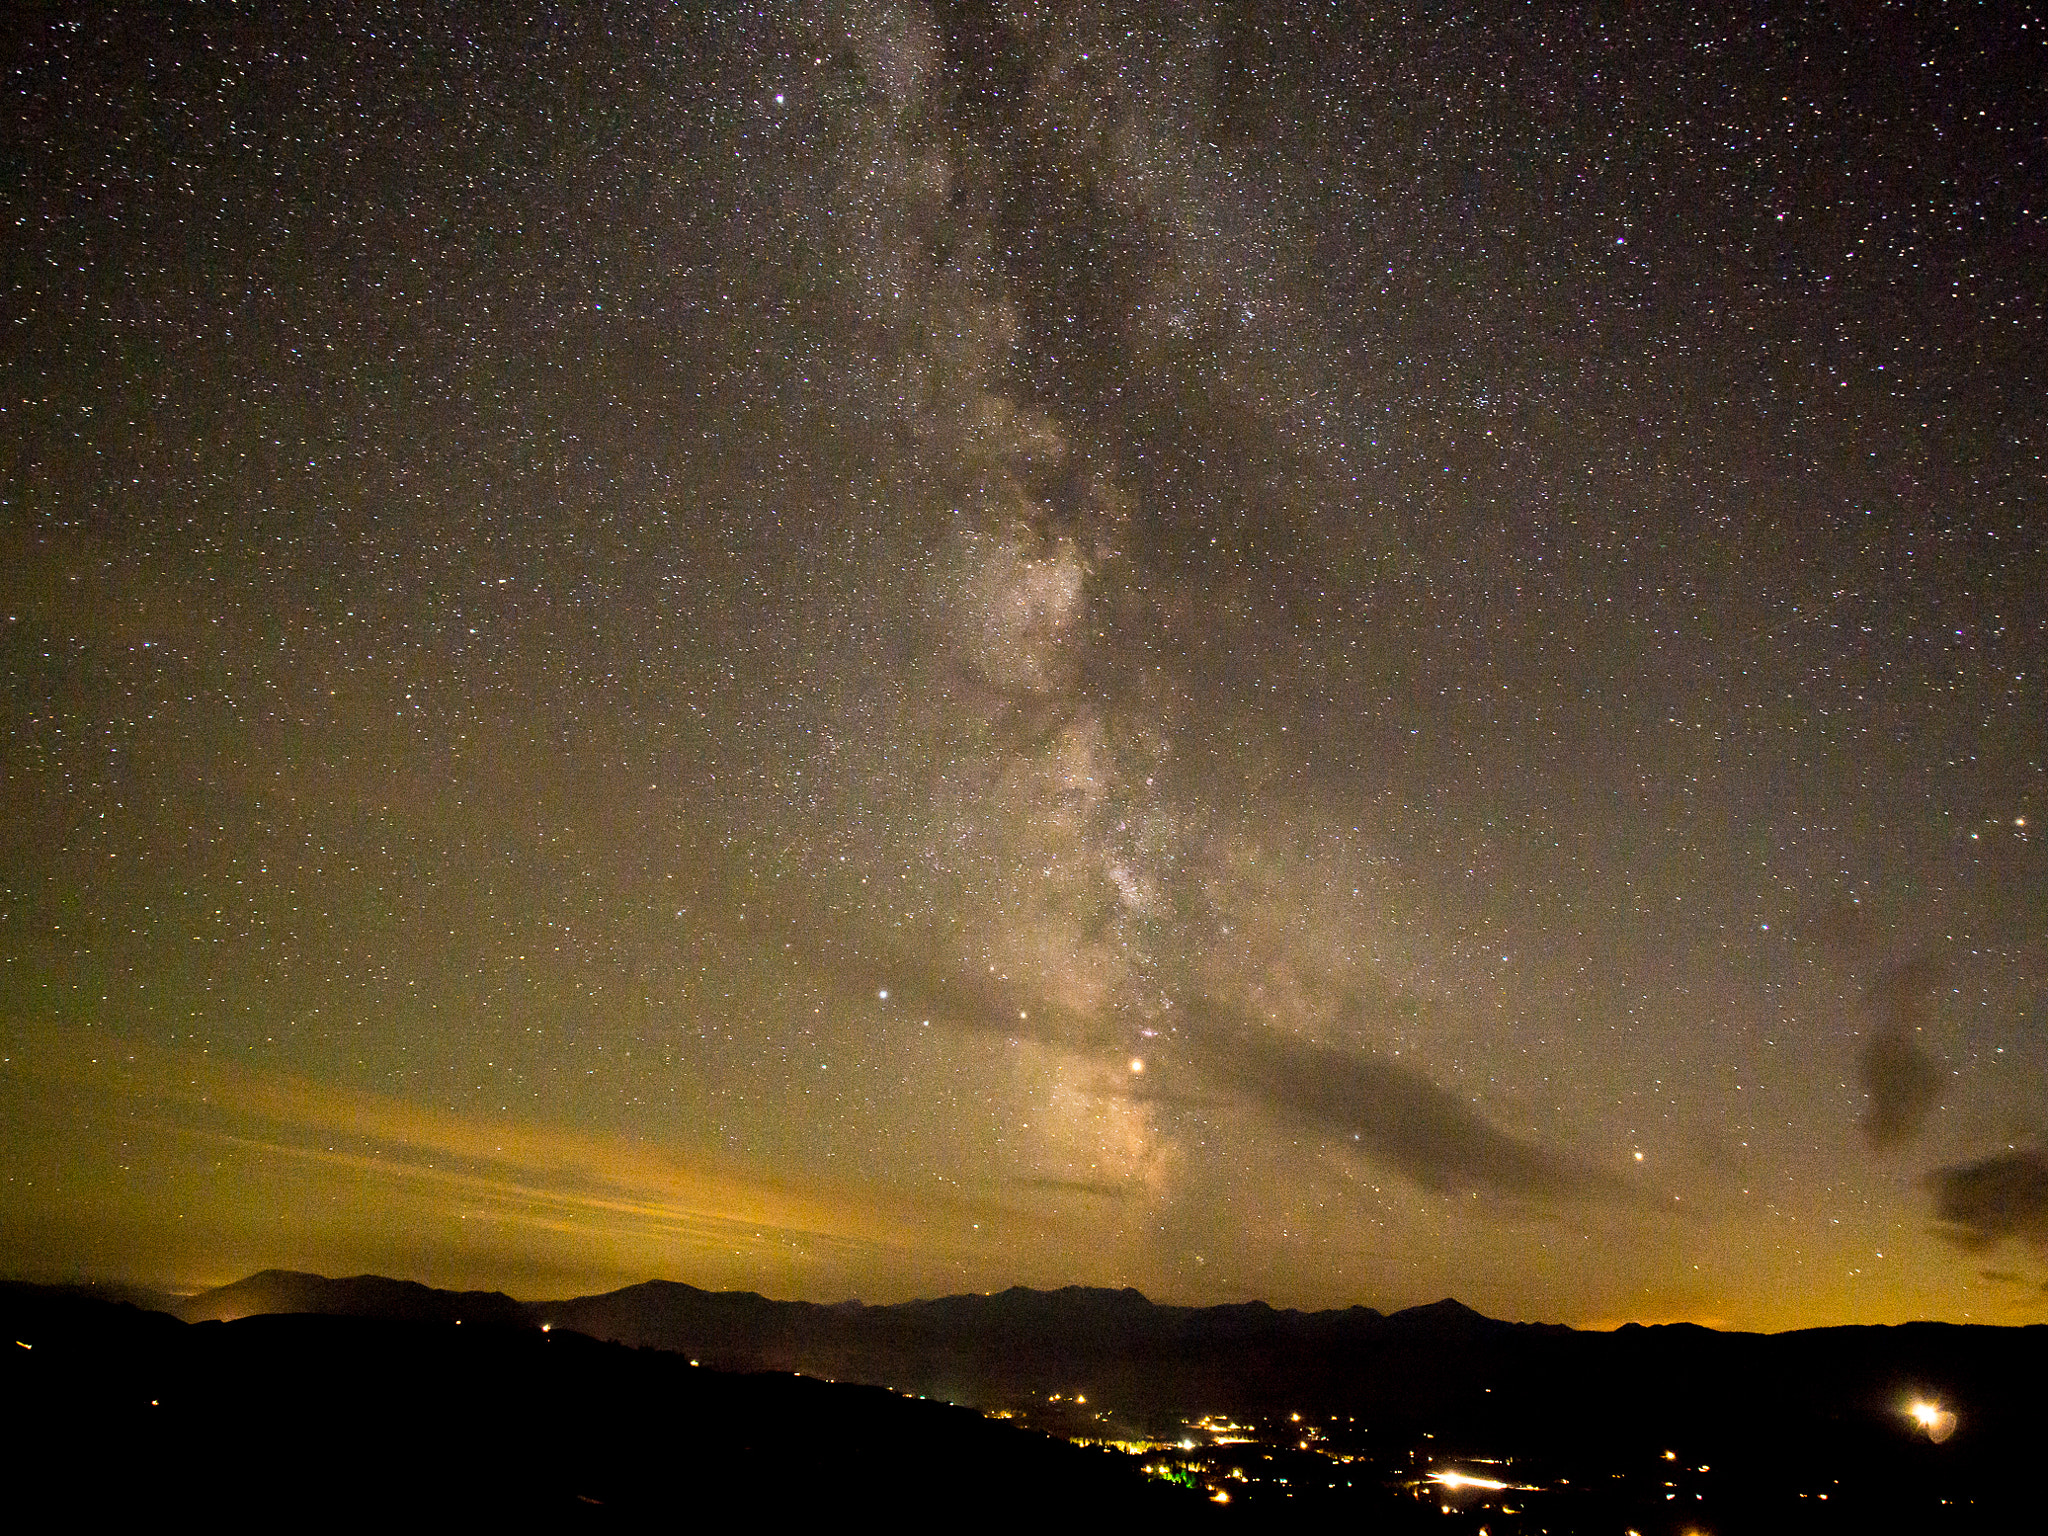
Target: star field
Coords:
[[1320, 652]]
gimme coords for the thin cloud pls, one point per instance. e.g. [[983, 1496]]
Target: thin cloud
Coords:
[[541, 1172]]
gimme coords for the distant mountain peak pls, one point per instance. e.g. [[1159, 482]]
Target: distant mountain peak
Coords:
[[272, 1291], [1125, 1293], [1449, 1312]]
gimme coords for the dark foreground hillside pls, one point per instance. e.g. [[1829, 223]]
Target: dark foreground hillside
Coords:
[[295, 1400], [129, 1416]]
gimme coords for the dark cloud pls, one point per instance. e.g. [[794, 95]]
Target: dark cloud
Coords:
[[1984, 1203], [1901, 1078], [1095, 1188], [1388, 1110], [1848, 932], [1391, 1111], [1904, 1084]]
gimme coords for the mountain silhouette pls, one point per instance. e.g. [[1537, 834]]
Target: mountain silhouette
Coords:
[[280, 1291]]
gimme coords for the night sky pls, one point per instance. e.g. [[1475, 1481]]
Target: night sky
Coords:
[[1330, 653]]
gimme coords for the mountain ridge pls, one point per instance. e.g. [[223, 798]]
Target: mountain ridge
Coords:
[[1151, 1362]]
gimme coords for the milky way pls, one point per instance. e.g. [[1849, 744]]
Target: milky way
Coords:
[[1328, 653]]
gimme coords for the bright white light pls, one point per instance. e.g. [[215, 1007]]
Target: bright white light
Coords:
[[1935, 1419], [1465, 1480]]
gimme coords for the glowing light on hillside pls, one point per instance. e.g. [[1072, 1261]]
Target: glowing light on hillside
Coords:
[[1467, 1480]]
